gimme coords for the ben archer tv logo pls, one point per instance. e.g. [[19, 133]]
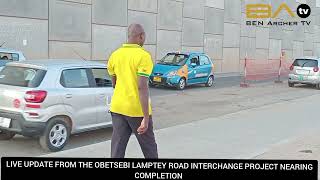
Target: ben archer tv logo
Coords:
[[266, 11]]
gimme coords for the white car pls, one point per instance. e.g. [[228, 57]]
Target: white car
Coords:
[[305, 70], [51, 99]]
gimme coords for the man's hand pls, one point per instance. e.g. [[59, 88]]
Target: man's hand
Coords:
[[144, 126]]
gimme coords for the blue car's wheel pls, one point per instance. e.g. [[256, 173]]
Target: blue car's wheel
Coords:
[[210, 81], [182, 84], [151, 85]]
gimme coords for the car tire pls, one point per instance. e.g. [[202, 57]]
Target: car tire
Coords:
[[318, 86], [56, 135], [152, 85], [6, 135], [210, 81], [291, 84], [181, 84]]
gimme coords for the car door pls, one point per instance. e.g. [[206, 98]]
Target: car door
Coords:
[[205, 69], [193, 67], [104, 90], [78, 97]]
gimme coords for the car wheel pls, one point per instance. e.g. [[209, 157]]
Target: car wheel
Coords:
[[56, 135], [152, 85], [291, 84], [6, 135], [182, 84], [318, 86], [210, 81]]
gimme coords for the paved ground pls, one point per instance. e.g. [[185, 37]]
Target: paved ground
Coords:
[[178, 108], [245, 134], [304, 147], [31, 147]]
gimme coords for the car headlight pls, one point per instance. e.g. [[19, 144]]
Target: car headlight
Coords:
[[173, 73]]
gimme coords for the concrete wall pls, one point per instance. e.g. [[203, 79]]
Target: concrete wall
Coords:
[[95, 28]]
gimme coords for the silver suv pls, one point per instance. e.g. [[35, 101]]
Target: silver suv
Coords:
[[305, 71], [51, 99]]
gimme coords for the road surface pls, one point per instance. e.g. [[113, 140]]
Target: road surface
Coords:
[[172, 108]]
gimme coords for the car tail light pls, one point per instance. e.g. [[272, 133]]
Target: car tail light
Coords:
[[35, 96], [315, 69], [291, 68]]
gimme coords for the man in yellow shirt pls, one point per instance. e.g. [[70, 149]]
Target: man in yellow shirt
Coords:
[[130, 67]]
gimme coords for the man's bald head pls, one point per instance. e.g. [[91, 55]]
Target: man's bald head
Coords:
[[134, 30], [136, 34]]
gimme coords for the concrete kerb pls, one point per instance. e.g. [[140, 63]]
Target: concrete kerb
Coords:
[[224, 75]]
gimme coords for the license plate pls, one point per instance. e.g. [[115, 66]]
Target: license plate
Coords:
[[157, 79], [5, 122], [301, 77], [303, 72]]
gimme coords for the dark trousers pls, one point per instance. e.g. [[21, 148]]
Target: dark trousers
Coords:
[[123, 127]]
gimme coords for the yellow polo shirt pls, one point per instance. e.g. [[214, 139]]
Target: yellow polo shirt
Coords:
[[127, 63]]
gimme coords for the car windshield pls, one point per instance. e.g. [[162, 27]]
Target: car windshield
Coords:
[[174, 59], [21, 76], [305, 63]]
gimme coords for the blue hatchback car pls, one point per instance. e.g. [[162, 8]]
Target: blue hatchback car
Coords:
[[182, 69]]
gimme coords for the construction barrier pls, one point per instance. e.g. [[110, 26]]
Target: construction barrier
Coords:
[[259, 70], [285, 68], [262, 70]]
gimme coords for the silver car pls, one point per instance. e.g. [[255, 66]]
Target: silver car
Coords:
[[305, 71], [51, 99]]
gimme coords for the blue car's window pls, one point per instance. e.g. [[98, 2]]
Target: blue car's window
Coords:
[[195, 60], [174, 59], [204, 60], [15, 57], [9, 56]]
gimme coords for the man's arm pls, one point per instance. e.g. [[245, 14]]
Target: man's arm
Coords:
[[144, 95], [144, 71], [114, 81], [144, 100]]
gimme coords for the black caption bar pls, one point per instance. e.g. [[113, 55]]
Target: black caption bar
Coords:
[[62, 168]]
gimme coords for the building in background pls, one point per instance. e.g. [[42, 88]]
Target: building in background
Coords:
[[94, 28]]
